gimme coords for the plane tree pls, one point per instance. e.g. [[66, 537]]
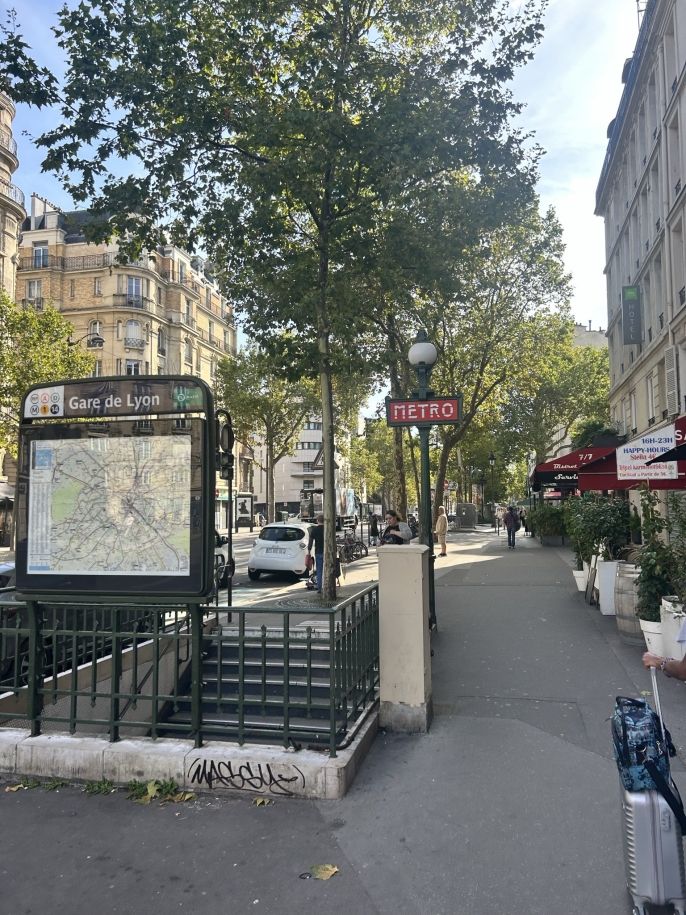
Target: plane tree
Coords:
[[34, 348], [286, 139]]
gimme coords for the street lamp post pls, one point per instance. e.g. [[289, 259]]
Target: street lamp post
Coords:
[[95, 339], [491, 461], [422, 357], [482, 483]]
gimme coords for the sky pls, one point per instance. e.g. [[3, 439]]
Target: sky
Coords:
[[571, 91]]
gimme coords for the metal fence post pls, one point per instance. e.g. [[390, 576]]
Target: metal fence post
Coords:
[[34, 703], [196, 672]]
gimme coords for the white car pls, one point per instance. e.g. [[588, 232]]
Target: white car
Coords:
[[280, 547]]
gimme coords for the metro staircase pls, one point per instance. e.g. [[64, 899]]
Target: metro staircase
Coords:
[[266, 689]]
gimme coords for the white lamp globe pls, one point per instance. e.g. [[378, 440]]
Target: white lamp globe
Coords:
[[422, 353]]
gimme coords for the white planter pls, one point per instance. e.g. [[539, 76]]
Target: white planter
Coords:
[[652, 633], [580, 577], [672, 617], [605, 582]]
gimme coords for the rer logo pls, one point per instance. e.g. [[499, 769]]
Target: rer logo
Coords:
[[187, 398]]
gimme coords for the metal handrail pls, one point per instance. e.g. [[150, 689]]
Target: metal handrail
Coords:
[[77, 665]]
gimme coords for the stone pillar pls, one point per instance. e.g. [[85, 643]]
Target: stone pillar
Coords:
[[404, 638]]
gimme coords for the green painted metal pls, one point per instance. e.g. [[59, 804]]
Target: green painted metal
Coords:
[[300, 677]]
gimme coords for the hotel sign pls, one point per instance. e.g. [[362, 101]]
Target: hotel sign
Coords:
[[631, 315]]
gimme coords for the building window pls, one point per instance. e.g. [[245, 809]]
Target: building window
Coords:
[[310, 446], [159, 295], [72, 289], [197, 359], [308, 466], [182, 272], [134, 291], [40, 254], [208, 297], [133, 335], [308, 484], [133, 367], [211, 333], [188, 352], [188, 312], [650, 397], [33, 290], [2, 270], [162, 342], [97, 368], [97, 286], [313, 425]]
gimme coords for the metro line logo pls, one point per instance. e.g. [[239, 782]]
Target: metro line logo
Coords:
[[435, 410]]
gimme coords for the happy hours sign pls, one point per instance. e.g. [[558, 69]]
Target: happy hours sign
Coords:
[[433, 411]]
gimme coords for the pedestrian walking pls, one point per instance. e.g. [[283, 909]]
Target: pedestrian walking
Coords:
[[523, 520], [374, 530], [441, 530], [316, 539], [511, 522]]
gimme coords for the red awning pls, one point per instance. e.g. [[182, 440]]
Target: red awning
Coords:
[[563, 470]]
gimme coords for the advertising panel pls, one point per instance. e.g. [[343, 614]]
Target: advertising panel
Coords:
[[632, 457]]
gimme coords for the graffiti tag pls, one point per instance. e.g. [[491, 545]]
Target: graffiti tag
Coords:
[[244, 776]]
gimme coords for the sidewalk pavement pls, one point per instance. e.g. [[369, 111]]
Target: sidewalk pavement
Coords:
[[510, 804]]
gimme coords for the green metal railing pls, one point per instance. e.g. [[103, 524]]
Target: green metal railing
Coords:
[[303, 676]]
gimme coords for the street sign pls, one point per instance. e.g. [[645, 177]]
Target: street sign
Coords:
[[433, 411]]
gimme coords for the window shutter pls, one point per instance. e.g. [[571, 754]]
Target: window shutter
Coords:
[[671, 380]]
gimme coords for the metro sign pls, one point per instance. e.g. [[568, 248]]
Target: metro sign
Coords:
[[433, 411]]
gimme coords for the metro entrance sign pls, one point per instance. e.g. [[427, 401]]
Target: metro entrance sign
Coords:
[[433, 411]]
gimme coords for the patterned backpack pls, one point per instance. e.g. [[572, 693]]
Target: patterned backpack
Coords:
[[642, 754], [637, 739]]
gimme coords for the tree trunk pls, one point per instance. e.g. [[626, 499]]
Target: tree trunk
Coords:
[[399, 486], [413, 458], [270, 484]]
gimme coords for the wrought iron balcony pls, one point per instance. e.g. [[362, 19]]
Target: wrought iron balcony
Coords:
[[12, 192], [134, 343], [8, 141], [124, 300]]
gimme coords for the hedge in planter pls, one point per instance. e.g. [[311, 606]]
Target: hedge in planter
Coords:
[[598, 526], [657, 561], [547, 521]]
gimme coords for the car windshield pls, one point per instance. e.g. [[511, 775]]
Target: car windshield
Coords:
[[281, 533]]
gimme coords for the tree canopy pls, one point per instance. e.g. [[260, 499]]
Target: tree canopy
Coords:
[[323, 154], [34, 348]]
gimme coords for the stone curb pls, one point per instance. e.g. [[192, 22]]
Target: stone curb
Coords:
[[216, 767]]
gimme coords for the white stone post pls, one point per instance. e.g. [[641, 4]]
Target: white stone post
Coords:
[[404, 638]]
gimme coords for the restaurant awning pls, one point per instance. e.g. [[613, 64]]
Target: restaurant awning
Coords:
[[678, 453], [563, 471]]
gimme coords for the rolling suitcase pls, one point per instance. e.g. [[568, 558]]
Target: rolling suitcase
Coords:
[[653, 843]]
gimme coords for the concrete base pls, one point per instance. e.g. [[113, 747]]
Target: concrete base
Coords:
[[215, 768], [406, 719]]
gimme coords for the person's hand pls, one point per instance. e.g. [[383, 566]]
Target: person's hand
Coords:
[[651, 660]]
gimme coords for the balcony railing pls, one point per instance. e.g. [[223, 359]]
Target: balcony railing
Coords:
[[12, 192], [36, 302], [124, 300], [8, 141], [134, 342]]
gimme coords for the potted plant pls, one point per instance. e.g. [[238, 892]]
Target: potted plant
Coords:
[[582, 540], [657, 572], [672, 614], [600, 527]]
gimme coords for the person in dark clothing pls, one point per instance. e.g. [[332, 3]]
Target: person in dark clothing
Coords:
[[316, 539], [391, 534], [373, 530], [511, 522]]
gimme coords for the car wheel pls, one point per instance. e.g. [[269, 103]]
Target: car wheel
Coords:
[[254, 574]]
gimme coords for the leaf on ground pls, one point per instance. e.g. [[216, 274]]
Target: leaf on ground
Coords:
[[262, 801], [14, 788], [323, 871], [183, 796]]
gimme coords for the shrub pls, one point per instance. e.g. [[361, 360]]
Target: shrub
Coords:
[[547, 521], [658, 571], [597, 525]]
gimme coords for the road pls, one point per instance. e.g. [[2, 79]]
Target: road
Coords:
[[276, 585]]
